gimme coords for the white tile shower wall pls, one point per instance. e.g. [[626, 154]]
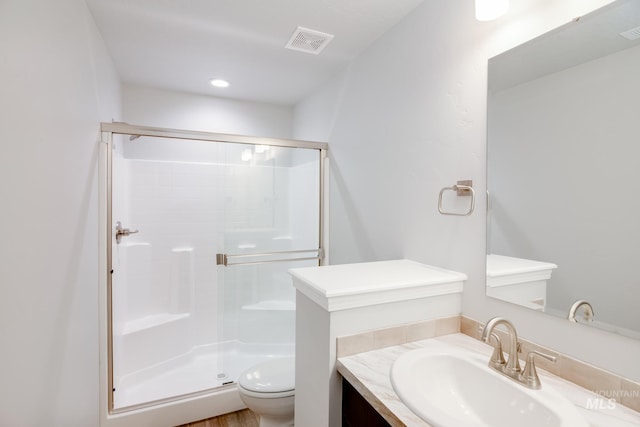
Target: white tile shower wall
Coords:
[[136, 289], [182, 297], [179, 210]]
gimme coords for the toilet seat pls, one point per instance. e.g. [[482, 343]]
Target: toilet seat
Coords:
[[269, 380], [262, 395]]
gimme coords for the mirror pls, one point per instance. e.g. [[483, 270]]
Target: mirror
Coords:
[[563, 220]]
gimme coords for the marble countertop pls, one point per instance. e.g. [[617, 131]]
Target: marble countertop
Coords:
[[369, 374]]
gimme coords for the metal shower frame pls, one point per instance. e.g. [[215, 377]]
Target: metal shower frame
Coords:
[[135, 131]]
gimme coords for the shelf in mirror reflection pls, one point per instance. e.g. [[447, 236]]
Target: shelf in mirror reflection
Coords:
[[519, 281]]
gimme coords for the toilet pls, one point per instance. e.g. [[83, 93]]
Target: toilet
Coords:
[[268, 389]]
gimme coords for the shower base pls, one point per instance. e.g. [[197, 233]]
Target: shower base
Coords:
[[203, 368]]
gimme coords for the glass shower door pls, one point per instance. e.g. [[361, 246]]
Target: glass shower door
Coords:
[[167, 194], [271, 210], [180, 323]]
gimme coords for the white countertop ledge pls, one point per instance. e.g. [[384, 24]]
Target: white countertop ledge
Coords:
[[345, 286]]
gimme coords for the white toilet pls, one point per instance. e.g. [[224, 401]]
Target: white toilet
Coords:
[[268, 389]]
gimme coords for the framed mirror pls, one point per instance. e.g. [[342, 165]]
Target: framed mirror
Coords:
[[563, 220]]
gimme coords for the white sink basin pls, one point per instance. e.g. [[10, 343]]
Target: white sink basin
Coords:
[[456, 388]]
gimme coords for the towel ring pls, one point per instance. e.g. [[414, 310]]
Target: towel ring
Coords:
[[462, 188]]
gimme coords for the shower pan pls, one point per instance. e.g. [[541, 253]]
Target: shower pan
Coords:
[[201, 229]]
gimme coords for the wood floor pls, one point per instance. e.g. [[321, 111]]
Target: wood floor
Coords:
[[244, 418]]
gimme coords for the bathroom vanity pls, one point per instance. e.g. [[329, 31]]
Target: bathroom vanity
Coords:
[[368, 373], [354, 321], [357, 411]]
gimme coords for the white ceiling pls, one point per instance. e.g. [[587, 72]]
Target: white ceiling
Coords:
[[182, 44]]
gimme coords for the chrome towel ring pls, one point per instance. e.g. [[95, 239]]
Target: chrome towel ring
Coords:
[[462, 188]]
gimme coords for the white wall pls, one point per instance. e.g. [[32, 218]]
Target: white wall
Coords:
[[178, 110], [58, 84], [407, 119], [315, 116]]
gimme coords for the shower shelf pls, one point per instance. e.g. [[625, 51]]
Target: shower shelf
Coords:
[[269, 305], [152, 321]]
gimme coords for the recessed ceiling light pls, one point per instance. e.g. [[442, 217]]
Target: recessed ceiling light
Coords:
[[219, 83]]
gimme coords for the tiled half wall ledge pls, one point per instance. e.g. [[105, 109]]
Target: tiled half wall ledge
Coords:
[[604, 383]]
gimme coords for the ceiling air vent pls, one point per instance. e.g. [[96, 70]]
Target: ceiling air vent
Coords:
[[310, 41], [632, 34]]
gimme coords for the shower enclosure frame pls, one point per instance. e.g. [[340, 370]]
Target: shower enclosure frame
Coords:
[[108, 130]]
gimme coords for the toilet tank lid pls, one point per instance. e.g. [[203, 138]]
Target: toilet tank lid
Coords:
[[272, 376]]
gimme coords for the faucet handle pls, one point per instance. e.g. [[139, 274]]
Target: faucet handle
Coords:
[[497, 358], [530, 374]]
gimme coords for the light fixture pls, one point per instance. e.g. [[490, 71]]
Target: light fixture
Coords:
[[219, 83], [262, 148], [487, 10]]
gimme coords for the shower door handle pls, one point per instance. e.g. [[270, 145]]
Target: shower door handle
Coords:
[[122, 232], [225, 259]]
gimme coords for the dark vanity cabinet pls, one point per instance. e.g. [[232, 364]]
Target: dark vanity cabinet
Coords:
[[356, 411]]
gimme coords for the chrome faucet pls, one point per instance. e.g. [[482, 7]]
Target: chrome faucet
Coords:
[[588, 311], [513, 364], [527, 377]]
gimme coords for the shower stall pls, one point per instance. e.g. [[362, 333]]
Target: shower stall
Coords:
[[202, 228]]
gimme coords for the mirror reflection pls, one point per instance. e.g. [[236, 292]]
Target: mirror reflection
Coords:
[[563, 215]]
